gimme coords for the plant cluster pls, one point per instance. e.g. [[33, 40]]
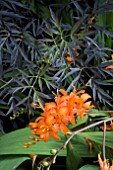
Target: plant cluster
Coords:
[[57, 115], [50, 45]]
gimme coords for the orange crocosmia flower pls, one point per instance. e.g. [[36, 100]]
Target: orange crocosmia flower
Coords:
[[85, 97], [45, 128], [109, 67], [50, 105], [104, 165], [64, 128], [63, 92], [56, 115], [61, 101], [77, 54], [61, 123], [39, 105], [111, 125], [82, 106], [33, 125], [67, 52], [63, 111], [50, 108], [68, 58], [46, 135], [112, 56]]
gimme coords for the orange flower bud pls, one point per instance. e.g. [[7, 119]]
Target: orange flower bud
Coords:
[[26, 146], [68, 58], [32, 137]]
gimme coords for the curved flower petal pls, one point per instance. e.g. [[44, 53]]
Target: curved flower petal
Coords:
[[63, 92], [64, 128], [46, 137], [33, 125], [54, 136], [85, 97]]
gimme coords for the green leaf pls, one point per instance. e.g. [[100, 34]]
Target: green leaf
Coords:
[[98, 137], [89, 167], [73, 158], [77, 26], [109, 80], [11, 74], [13, 142], [95, 113], [11, 162]]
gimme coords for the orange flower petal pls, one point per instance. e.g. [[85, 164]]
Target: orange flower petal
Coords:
[[39, 118], [64, 129], [72, 119], [80, 113], [108, 67], [55, 128], [112, 56], [63, 92], [54, 136], [63, 111], [50, 105], [33, 125], [46, 137], [77, 54], [88, 105], [49, 121], [38, 131], [85, 96]]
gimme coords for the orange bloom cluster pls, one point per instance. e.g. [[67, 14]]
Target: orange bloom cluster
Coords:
[[57, 115], [109, 127], [104, 165], [68, 57]]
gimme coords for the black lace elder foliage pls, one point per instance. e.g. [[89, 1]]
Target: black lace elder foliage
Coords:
[[89, 69], [25, 74]]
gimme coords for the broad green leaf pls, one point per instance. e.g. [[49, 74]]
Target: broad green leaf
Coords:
[[89, 167], [13, 142], [95, 113], [73, 158], [98, 137], [11, 162]]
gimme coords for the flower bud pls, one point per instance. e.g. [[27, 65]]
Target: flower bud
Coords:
[[53, 151], [45, 164], [26, 146]]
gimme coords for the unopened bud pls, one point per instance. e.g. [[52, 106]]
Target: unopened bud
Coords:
[[53, 151], [45, 164], [32, 137], [26, 146]]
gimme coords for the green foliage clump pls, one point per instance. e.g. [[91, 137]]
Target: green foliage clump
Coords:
[[49, 45]]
